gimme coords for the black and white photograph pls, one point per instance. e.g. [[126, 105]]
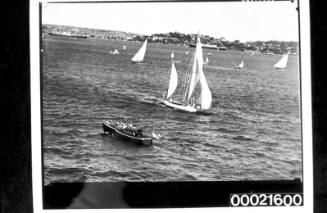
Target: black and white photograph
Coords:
[[162, 92]]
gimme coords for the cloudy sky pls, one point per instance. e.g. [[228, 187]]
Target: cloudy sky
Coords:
[[233, 20]]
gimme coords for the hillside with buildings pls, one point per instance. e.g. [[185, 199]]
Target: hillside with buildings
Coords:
[[268, 47]]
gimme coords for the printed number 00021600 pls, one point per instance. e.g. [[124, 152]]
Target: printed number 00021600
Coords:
[[266, 200]]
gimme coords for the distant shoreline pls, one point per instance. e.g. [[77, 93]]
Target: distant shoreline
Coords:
[[266, 47]]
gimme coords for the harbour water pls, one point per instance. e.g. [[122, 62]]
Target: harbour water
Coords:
[[251, 132]]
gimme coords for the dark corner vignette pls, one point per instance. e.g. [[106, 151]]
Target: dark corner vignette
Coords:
[[16, 181]]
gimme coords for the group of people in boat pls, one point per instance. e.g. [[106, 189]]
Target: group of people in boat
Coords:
[[129, 129]]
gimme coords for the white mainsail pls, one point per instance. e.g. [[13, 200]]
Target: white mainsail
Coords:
[[124, 47], [198, 75], [207, 60], [172, 55], [139, 56], [281, 64], [241, 65], [172, 81]]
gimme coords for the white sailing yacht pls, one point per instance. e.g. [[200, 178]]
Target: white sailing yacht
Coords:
[[139, 56], [194, 77], [281, 64], [124, 47]]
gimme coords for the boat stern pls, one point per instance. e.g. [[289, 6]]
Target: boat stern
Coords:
[[107, 128]]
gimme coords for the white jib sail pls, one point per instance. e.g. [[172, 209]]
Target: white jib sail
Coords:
[[198, 75], [139, 56], [172, 81], [172, 55], [281, 64], [241, 65]]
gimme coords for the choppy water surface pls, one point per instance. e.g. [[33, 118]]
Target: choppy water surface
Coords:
[[252, 131]]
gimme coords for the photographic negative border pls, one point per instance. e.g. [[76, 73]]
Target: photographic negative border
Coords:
[[184, 188]]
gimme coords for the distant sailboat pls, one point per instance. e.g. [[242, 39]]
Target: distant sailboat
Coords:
[[253, 53], [186, 101], [209, 53], [240, 66], [124, 47], [139, 56], [206, 61], [187, 52], [281, 64], [116, 52], [172, 55]]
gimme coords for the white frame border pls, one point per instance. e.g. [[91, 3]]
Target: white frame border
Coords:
[[306, 126]]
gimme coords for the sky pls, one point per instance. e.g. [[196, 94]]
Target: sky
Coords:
[[244, 21]]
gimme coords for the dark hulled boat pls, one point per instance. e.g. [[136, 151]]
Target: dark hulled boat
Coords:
[[127, 133]]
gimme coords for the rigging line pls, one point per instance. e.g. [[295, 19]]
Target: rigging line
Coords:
[[184, 85], [188, 78]]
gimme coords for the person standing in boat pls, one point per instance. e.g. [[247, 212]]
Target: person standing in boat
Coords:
[[139, 133]]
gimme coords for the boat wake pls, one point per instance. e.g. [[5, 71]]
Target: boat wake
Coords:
[[220, 68], [205, 113], [140, 63], [148, 99]]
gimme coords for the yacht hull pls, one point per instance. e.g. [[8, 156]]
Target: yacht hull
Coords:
[[179, 106]]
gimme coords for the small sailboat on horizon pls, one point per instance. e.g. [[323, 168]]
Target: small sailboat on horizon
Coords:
[[172, 55], [139, 56], [115, 52], [206, 61], [282, 63], [195, 76], [240, 66]]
